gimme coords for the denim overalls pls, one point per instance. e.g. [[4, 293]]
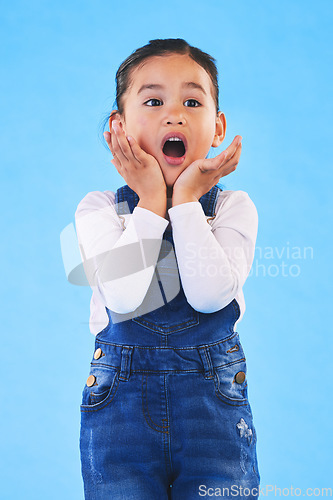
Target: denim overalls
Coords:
[[165, 412]]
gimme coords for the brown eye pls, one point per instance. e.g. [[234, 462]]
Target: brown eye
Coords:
[[192, 103], [153, 102]]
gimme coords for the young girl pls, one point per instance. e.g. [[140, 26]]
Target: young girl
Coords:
[[165, 410]]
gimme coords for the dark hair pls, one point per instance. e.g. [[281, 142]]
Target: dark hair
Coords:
[[162, 47]]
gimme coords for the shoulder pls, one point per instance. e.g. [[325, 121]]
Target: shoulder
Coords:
[[233, 197], [95, 200], [236, 210], [235, 200]]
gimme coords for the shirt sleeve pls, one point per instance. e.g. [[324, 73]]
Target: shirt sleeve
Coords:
[[119, 253], [214, 260]]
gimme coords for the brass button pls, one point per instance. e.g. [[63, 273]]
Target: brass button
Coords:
[[240, 377], [98, 353], [91, 380]]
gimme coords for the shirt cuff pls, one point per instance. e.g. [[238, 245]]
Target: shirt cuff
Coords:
[[147, 223], [184, 209]]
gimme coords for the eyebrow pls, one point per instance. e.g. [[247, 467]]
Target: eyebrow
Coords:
[[156, 86]]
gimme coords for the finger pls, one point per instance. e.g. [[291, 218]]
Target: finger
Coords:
[[231, 165], [107, 137], [236, 143], [213, 163], [115, 143], [137, 152], [222, 161], [224, 172], [231, 154], [228, 171], [233, 161], [121, 140], [116, 149]]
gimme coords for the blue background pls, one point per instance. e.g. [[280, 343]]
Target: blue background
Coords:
[[58, 66]]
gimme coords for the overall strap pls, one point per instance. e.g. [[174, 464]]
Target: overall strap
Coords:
[[127, 199], [209, 200]]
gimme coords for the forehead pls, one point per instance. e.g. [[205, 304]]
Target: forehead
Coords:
[[169, 70]]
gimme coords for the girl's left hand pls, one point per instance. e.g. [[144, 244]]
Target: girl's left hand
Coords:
[[201, 175]]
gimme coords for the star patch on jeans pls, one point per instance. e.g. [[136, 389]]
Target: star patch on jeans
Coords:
[[244, 430]]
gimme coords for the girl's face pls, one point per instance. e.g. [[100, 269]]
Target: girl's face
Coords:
[[170, 111]]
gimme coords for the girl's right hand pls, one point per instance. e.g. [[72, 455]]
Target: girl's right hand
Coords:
[[141, 171]]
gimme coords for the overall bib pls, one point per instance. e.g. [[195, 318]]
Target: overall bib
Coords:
[[165, 411]]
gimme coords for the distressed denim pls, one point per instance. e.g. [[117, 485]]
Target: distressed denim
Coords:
[[166, 413]]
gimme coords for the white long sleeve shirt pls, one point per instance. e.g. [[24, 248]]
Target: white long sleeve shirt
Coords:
[[214, 256]]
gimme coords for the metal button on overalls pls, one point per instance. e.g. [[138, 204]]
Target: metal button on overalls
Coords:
[[98, 353], [240, 377], [91, 380]]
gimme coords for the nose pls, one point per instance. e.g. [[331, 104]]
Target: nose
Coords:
[[174, 114]]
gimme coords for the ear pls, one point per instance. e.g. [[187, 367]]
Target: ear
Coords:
[[115, 115], [220, 128]]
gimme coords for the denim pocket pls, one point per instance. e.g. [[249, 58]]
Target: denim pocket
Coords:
[[174, 316], [231, 384], [102, 391]]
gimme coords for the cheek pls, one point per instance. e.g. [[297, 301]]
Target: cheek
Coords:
[[142, 121], [204, 145], [145, 134], [210, 138], [206, 132], [139, 124], [135, 124], [139, 128]]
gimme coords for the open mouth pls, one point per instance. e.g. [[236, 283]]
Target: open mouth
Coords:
[[174, 148]]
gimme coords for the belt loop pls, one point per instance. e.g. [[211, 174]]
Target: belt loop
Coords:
[[125, 368], [206, 361]]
